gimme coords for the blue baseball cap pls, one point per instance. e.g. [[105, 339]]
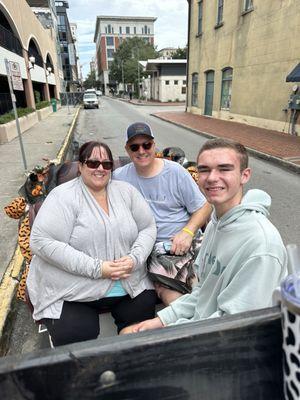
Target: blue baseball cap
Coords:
[[138, 128]]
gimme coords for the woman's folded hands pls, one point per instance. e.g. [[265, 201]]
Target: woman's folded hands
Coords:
[[117, 269]]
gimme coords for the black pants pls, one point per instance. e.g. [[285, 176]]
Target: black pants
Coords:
[[80, 321]]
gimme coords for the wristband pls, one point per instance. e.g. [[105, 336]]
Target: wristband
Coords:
[[188, 231]]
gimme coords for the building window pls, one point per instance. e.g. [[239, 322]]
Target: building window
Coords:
[[145, 29], [183, 90], [109, 64], [195, 89], [220, 12], [134, 30], [109, 41], [61, 20], [110, 53], [120, 30], [184, 82], [175, 82], [167, 82], [108, 29], [248, 5], [226, 88], [200, 15], [128, 30]]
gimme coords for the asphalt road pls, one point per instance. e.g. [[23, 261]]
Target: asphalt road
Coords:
[[109, 124]]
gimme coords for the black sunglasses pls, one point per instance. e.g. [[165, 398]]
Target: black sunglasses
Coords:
[[93, 164], [135, 146]]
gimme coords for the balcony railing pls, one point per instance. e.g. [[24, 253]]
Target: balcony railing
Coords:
[[9, 41]]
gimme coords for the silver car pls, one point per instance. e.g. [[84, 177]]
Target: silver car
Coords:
[[90, 100]]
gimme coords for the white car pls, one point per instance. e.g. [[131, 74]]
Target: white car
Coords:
[[99, 93], [90, 100], [90, 91]]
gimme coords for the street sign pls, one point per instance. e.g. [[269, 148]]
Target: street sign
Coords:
[[15, 74], [15, 67]]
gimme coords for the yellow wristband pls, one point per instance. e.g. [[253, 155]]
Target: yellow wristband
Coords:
[[188, 231]]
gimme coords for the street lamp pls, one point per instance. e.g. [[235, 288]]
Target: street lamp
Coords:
[[48, 71], [32, 62]]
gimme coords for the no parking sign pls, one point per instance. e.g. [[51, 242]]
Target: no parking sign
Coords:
[[15, 74]]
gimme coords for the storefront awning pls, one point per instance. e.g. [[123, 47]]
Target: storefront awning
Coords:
[[294, 76]]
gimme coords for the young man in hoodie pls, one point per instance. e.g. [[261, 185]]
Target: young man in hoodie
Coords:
[[242, 258]]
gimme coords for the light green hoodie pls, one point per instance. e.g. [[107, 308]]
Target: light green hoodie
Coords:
[[241, 261]]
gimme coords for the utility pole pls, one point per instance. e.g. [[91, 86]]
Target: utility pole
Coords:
[[138, 71], [122, 66]]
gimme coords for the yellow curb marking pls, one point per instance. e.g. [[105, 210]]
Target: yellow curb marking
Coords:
[[8, 285], [61, 152], [9, 281]]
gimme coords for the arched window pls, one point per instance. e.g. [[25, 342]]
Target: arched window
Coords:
[[195, 89], [8, 40], [33, 51], [226, 88]]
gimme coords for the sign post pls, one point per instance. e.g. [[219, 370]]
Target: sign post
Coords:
[[15, 83]]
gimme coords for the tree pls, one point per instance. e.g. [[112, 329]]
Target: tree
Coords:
[[180, 53], [125, 64], [91, 81]]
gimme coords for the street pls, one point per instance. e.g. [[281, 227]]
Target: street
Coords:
[[109, 124]]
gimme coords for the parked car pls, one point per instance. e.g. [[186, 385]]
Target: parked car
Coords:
[[90, 100], [90, 91], [99, 93]]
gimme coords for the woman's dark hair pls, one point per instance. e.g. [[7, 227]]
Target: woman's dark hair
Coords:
[[87, 148]]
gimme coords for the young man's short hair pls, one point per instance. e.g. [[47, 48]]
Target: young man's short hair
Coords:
[[227, 144]]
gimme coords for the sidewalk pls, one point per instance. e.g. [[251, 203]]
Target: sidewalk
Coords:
[[278, 147], [137, 102], [47, 138]]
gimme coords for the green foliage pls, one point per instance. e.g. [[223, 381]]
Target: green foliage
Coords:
[[125, 63], [37, 96], [180, 54], [42, 104], [91, 81], [10, 116]]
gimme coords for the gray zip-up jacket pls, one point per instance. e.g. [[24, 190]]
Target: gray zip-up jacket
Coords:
[[71, 235]]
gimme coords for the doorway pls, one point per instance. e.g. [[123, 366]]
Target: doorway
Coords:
[[209, 92]]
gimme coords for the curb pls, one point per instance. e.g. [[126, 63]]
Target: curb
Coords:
[[275, 160], [149, 104], [10, 280]]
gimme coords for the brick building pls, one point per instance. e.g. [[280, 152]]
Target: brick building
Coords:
[[110, 32]]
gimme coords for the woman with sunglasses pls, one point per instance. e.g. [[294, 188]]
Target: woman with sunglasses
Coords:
[[90, 240]]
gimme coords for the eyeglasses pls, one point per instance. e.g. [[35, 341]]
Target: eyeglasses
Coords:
[[93, 164], [135, 146]]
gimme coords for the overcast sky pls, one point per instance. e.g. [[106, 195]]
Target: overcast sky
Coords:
[[170, 28]]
